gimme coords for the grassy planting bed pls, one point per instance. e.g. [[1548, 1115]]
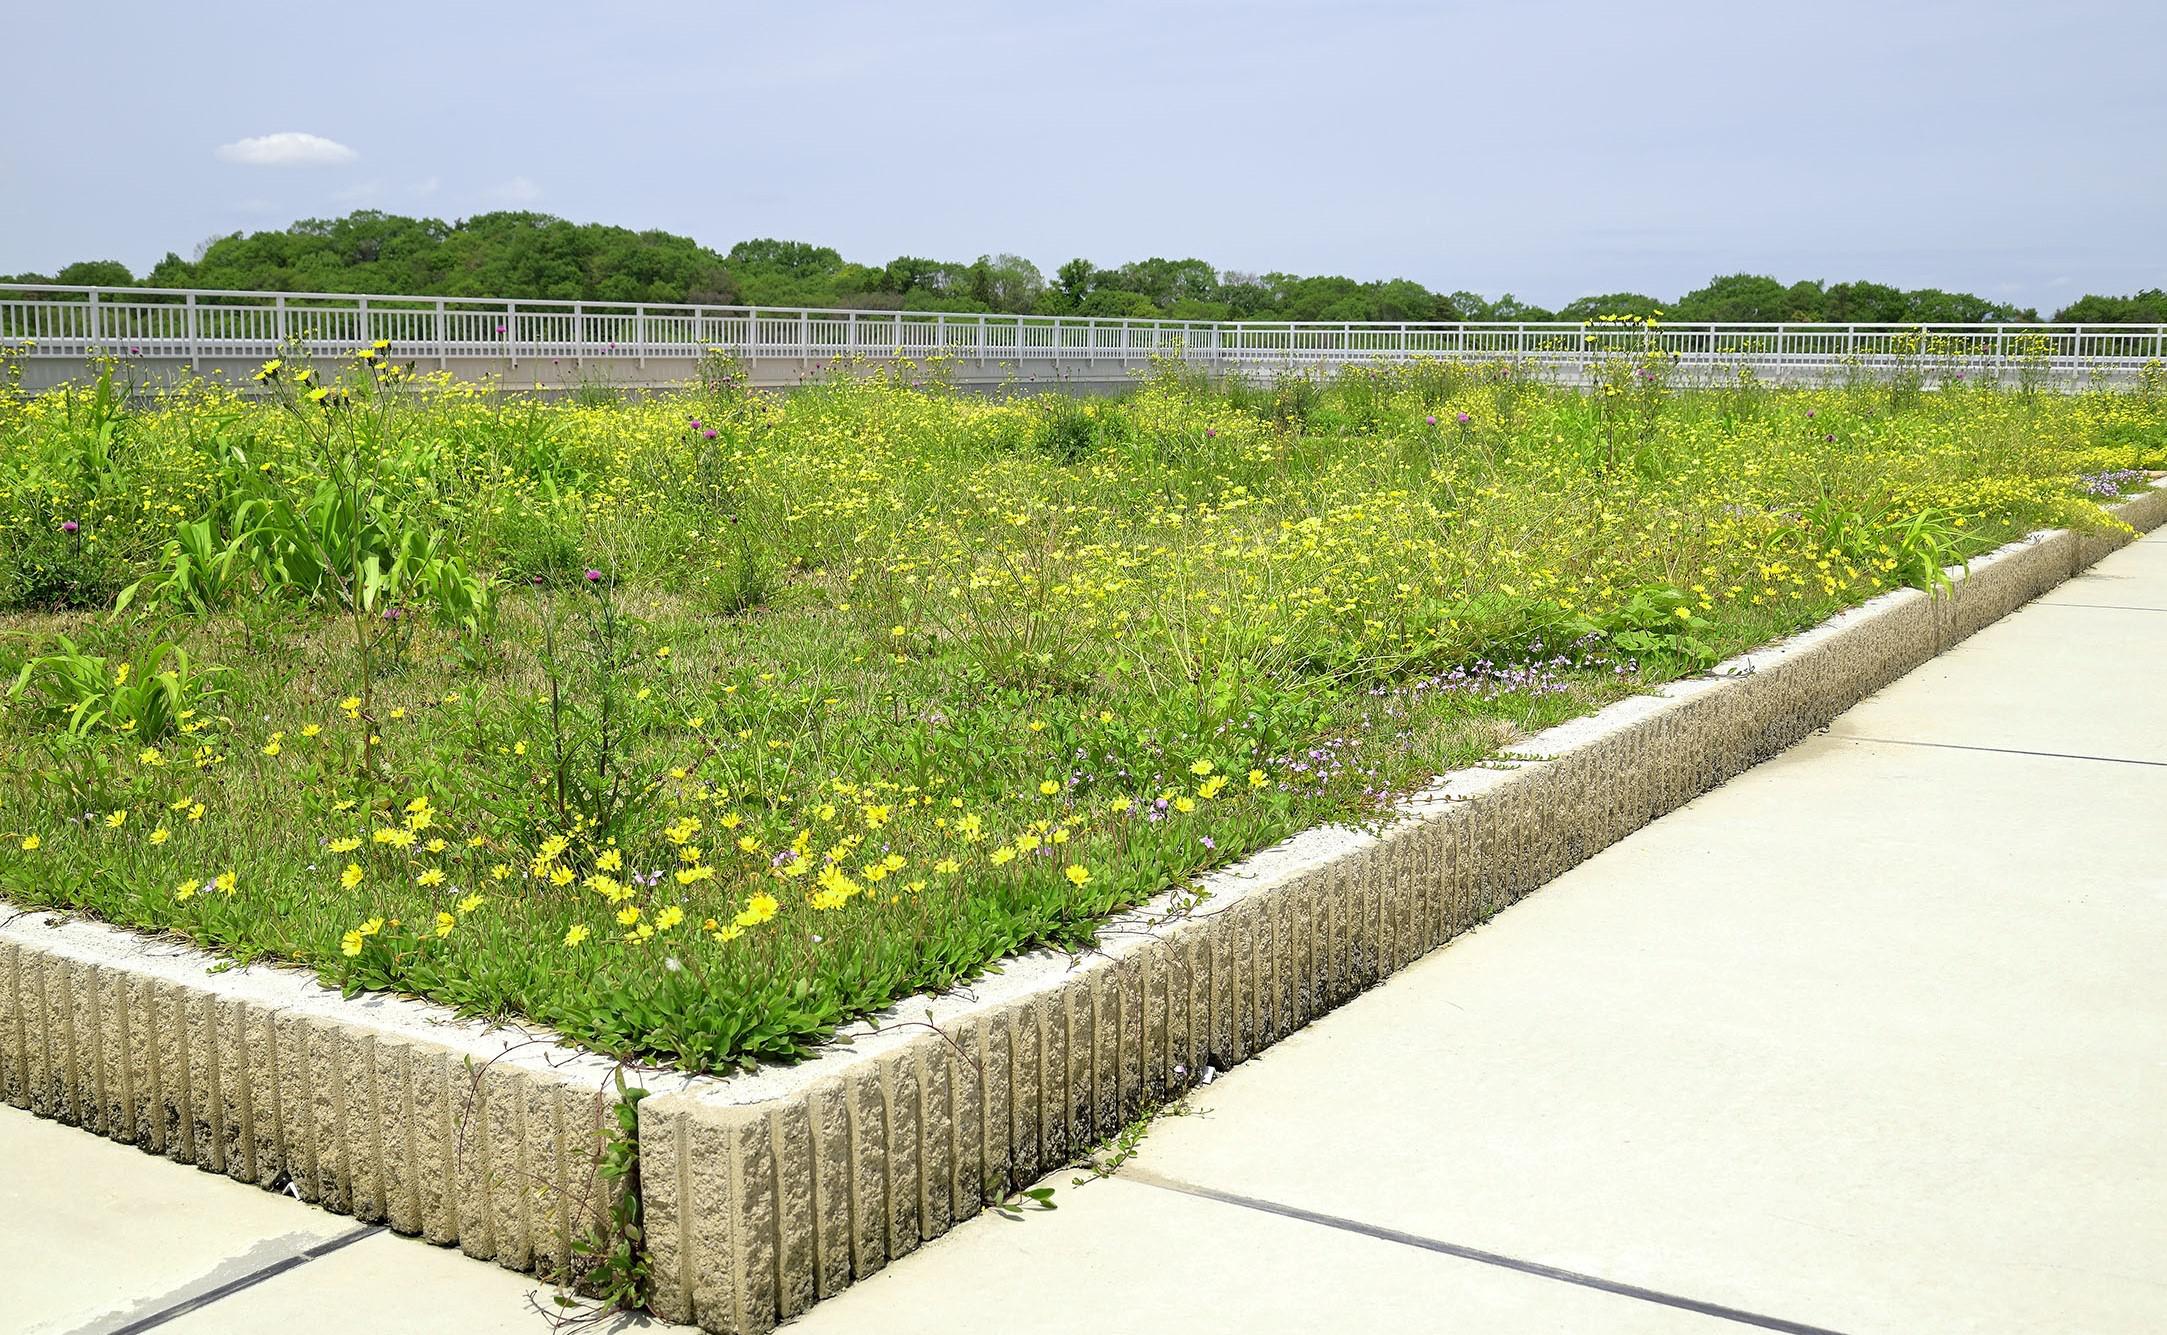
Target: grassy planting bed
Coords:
[[697, 726]]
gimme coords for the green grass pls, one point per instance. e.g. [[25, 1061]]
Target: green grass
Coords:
[[873, 686]]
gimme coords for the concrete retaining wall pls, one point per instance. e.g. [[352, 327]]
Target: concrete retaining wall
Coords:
[[766, 1192], [390, 1110]]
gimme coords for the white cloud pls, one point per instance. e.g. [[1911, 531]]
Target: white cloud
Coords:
[[518, 190], [286, 149]]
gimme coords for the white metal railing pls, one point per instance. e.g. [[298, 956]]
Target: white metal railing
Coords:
[[199, 328]]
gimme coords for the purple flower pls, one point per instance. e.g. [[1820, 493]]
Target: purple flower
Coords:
[[709, 433], [536, 581], [500, 329], [391, 614], [594, 577], [70, 526], [1809, 412], [695, 423], [1431, 420], [1463, 419], [1210, 432]]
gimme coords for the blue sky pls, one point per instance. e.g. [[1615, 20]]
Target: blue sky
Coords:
[[1549, 149]]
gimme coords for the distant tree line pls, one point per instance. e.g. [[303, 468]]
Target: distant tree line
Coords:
[[533, 255]]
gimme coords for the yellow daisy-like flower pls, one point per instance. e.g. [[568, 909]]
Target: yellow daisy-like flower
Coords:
[[1200, 768], [1077, 875], [351, 877], [115, 819], [346, 845], [577, 934], [433, 876], [31, 843], [350, 944], [160, 835], [444, 923], [471, 903]]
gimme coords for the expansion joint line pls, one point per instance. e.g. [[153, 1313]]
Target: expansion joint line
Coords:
[[1535, 1268], [250, 1280]]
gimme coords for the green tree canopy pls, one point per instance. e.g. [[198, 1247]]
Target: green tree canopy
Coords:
[[521, 254]]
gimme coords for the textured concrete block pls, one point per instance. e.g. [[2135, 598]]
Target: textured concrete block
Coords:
[[45, 1089], [869, 1180], [665, 1213], [899, 1093], [966, 1060], [712, 1206], [827, 1127], [296, 1103]]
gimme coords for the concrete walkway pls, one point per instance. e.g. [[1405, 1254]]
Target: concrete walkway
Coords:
[[1872, 1038]]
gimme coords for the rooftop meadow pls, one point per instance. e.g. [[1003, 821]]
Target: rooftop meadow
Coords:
[[695, 726]]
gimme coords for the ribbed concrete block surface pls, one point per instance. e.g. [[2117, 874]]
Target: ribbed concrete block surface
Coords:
[[390, 1110]]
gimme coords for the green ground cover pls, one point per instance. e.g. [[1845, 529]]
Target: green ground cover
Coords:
[[698, 725]]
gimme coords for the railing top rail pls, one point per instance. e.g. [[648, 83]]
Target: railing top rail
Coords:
[[125, 295]]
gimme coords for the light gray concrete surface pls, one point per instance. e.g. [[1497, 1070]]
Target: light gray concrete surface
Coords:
[[1119, 1256], [1871, 1038], [2069, 674]]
